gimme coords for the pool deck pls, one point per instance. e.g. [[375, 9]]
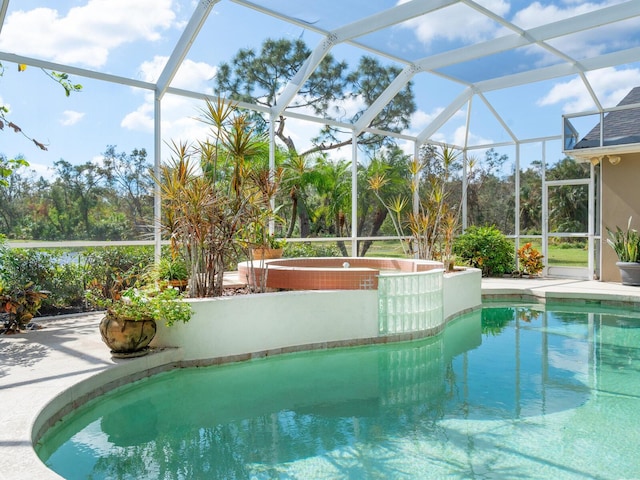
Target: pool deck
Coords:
[[42, 365]]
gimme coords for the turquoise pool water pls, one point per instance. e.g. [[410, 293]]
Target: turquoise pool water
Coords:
[[518, 391]]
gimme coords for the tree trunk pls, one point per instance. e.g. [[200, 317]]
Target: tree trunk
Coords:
[[305, 223], [293, 195], [379, 218]]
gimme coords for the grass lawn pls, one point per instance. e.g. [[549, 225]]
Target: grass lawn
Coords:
[[571, 257], [562, 254], [565, 254]]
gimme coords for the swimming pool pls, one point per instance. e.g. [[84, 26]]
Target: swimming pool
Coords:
[[506, 392]]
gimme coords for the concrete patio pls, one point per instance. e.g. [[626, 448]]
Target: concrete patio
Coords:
[[41, 369]]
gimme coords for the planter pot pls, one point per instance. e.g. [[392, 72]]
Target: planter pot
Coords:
[[629, 273], [127, 338], [179, 284], [266, 253]]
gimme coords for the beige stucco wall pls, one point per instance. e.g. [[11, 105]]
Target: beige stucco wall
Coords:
[[620, 200]]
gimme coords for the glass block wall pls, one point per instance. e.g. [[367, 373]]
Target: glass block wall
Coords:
[[409, 302], [413, 376]]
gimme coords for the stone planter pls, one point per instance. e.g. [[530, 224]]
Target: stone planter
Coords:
[[629, 273], [127, 338]]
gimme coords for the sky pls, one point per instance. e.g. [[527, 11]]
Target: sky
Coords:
[[135, 39]]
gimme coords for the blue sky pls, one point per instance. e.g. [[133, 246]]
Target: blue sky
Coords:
[[134, 39]]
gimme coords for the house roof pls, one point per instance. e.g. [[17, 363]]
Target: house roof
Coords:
[[620, 127]]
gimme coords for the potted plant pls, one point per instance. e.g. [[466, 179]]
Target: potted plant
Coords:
[[626, 244], [265, 245], [129, 323], [173, 271]]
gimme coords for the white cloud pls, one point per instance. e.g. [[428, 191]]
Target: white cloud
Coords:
[[191, 75], [460, 134], [585, 44], [41, 170], [85, 34], [141, 119], [429, 28], [177, 112], [609, 84], [421, 120], [69, 117], [536, 14]]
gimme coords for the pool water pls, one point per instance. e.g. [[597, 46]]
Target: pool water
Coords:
[[518, 391]]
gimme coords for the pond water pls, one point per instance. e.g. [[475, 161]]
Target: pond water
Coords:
[[509, 391]]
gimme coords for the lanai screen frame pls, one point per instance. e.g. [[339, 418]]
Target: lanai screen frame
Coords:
[[540, 36]]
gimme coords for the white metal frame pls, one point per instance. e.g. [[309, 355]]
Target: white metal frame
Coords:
[[517, 38], [575, 272]]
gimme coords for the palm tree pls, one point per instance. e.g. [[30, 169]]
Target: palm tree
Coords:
[[299, 173], [386, 179]]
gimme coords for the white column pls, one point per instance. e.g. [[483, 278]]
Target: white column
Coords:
[[354, 194], [157, 160]]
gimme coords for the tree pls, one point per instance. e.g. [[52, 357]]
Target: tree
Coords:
[[60, 78], [8, 166], [531, 199], [259, 77], [75, 192], [491, 193], [127, 177], [299, 172], [568, 204], [385, 187], [334, 191], [13, 190]]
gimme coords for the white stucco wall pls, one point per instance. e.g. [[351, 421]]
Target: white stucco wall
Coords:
[[246, 324], [241, 324], [462, 291]]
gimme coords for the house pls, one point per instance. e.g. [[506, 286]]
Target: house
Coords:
[[613, 146]]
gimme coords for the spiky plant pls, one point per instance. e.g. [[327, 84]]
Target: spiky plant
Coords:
[[626, 243]]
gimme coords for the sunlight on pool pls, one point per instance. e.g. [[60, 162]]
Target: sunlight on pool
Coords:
[[506, 392]]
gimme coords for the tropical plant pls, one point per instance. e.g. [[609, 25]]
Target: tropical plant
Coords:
[[145, 303], [19, 305], [172, 269], [114, 269], [200, 219], [626, 243], [485, 248], [529, 260], [432, 223], [385, 184], [215, 193]]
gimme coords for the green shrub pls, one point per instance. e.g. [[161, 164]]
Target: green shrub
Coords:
[[21, 266], [310, 249], [113, 269], [54, 271], [486, 248]]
